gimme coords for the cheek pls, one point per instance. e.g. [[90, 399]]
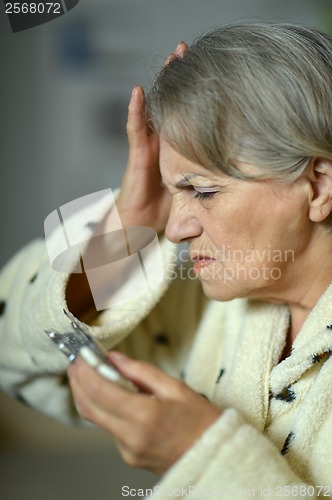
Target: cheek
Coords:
[[256, 215], [250, 223], [233, 224]]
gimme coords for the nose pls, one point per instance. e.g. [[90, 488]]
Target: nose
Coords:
[[182, 225]]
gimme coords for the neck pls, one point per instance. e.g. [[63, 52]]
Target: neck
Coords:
[[306, 280], [308, 290]]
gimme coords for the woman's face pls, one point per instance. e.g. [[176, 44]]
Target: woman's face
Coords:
[[246, 238]]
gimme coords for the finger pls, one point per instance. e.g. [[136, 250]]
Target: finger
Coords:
[[181, 49], [88, 409], [92, 413], [148, 377], [99, 391], [169, 59], [136, 123], [114, 424], [105, 369], [122, 420]]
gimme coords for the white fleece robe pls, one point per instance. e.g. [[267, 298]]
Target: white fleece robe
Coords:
[[274, 436]]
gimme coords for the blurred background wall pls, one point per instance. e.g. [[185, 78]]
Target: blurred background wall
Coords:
[[65, 87]]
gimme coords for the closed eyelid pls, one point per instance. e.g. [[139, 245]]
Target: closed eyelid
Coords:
[[206, 189], [185, 181], [182, 183]]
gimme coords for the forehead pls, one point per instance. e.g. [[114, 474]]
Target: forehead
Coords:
[[170, 158], [173, 165]]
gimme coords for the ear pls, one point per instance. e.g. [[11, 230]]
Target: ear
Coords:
[[320, 178]]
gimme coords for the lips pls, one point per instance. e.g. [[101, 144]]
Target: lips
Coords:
[[201, 261], [197, 257]]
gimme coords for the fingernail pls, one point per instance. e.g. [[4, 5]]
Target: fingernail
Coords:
[[89, 357], [108, 372], [180, 47], [137, 91]]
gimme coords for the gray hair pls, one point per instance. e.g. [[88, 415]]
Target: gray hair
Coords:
[[257, 93]]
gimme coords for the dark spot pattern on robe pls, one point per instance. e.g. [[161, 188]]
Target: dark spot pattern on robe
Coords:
[[33, 278], [287, 394], [21, 399], [222, 371], [2, 307], [320, 358], [317, 358], [287, 444], [161, 338]]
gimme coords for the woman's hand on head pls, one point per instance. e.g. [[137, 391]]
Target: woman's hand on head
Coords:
[[143, 200], [151, 432]]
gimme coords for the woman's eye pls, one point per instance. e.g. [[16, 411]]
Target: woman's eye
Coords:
[[204, 195]]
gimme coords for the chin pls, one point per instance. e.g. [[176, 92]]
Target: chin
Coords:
[[221, 292]]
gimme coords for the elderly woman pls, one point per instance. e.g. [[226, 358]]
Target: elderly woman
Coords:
[[243, 121]]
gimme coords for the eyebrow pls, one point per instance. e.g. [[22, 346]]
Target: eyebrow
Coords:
[[185, 180]]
